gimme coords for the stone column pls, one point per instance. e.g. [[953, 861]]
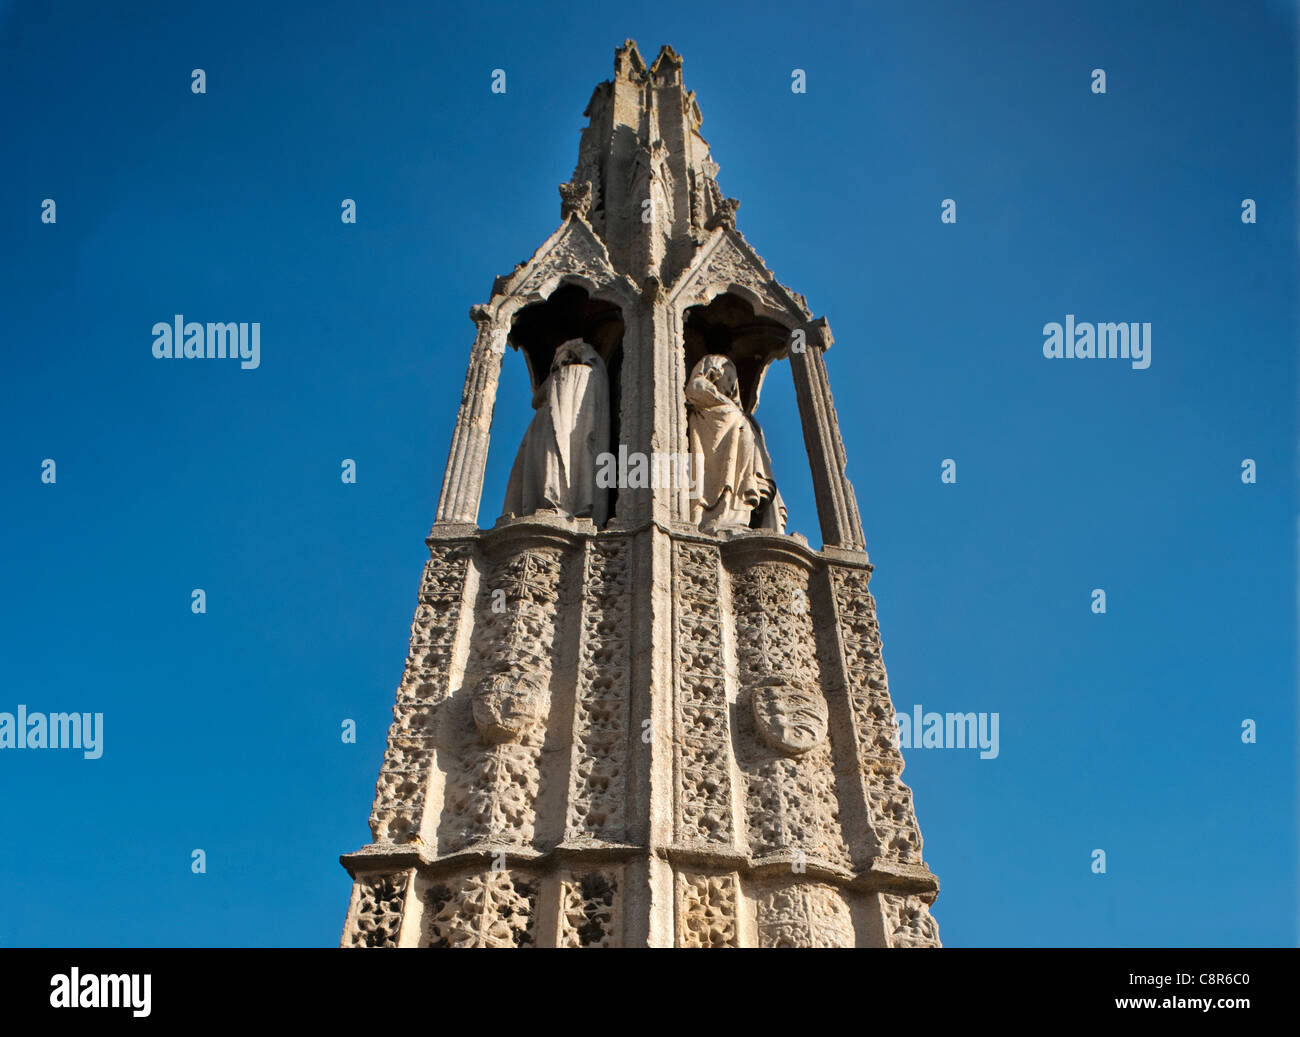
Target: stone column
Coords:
[[837, 504], [462, 484]]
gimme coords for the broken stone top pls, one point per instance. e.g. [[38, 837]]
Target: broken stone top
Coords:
[[645, 181]]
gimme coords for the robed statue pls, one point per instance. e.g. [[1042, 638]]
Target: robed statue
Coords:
[[555, 468], [736, 489]]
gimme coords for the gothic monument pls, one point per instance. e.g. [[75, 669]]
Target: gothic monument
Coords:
[[636, 711]]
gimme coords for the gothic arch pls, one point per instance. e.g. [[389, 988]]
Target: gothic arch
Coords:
[[571, 255], [727, 264]]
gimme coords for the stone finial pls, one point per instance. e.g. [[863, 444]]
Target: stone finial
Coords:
[[724, 215], [667, 67], [575, 198], [628, 62]]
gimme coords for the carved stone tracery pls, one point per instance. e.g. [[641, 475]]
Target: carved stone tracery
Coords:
[[706, 911], [498, 723], [380, 900], [400, 793], [889, 801], [701, 739], [791, 800], [598, 790], [804, 914], [589, 910], [491, 909], [908, 922]]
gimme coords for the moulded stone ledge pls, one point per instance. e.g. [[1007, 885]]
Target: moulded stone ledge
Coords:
[[384, 857], [878, 876]]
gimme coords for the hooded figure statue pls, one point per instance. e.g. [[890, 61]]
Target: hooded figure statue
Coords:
[[736, 488], [555, 468]]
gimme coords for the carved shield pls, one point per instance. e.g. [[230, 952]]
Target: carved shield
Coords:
[[791, 716]]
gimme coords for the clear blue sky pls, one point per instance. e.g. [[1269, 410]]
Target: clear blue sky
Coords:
[[1118, 731]]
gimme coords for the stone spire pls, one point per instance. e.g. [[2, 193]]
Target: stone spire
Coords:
[[645, 180]]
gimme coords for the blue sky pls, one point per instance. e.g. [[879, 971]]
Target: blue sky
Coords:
[[1119, 731]]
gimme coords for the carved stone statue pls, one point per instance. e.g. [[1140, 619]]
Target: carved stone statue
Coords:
[[555, 468], [736, 485]]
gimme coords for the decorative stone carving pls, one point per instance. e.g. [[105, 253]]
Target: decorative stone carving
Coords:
[[491, 789], [575, 199], [792, 804], [791, 716], [706, 911], [804, 914], [379, 910], [737, 489], [598, 786], [889, 801], [724, 215], [908, 922], [698, 191], [726, 260], [589, 914], [506, 705], [572, 250], [702, 739], [555, 468], [492, 909], [662, 182], [400, 791]]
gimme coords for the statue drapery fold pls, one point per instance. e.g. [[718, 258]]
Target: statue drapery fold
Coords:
[[555, 468]]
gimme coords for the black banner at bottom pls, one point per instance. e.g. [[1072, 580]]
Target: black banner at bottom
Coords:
[[151, 987]]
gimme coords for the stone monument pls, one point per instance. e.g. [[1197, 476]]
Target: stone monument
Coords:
[[638, 712]]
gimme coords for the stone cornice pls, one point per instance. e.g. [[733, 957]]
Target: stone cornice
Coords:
[[557, 530]]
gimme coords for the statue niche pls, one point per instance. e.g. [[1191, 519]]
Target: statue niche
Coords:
[[736, 489], [555, 469]]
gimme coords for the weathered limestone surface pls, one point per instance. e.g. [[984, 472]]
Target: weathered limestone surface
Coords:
[[629, 726]]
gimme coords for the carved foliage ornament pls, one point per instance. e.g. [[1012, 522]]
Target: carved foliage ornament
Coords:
[[804, 915], [379, 910], [575, 197], [495, 909], [706, 911]]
